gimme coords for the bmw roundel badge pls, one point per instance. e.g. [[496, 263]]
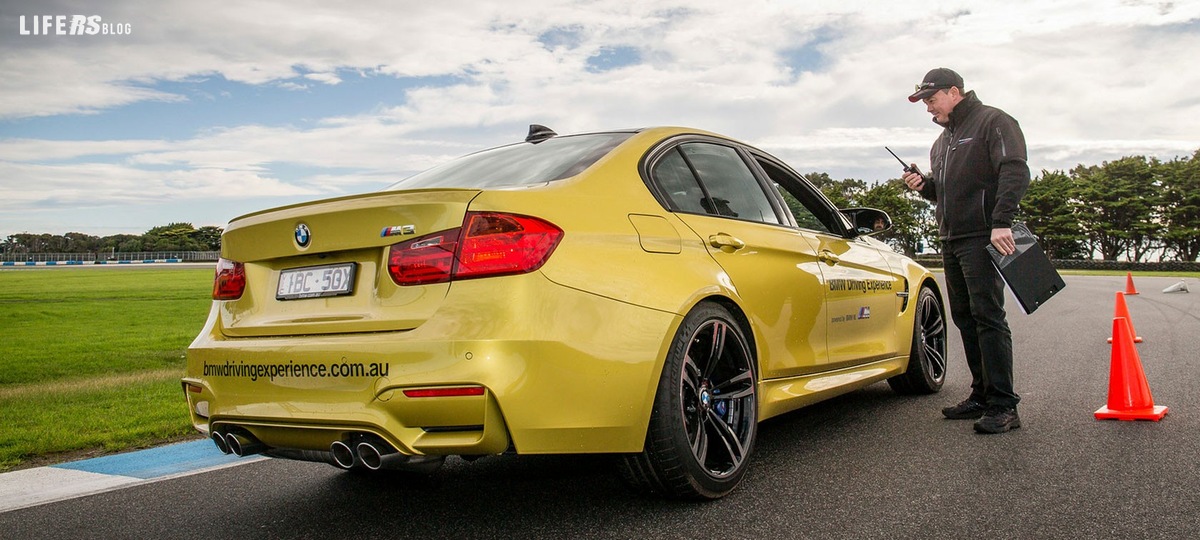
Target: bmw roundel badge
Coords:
[[303, 236]]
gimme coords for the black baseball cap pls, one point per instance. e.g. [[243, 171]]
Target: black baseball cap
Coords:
[[936, 79]]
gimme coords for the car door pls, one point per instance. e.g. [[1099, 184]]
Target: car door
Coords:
[[773, 267], [862, 292]]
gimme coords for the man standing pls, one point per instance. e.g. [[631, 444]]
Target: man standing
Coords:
[[979, 174]]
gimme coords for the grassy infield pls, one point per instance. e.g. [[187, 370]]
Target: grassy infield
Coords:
[[90, 359]]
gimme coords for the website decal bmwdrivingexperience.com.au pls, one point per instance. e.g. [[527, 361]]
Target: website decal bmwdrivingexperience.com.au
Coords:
[[255, 372]]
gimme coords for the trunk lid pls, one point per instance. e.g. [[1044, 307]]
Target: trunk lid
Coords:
[[348, 236]]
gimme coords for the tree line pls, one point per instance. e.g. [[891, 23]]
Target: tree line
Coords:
[[171, 237], [1133, 208]]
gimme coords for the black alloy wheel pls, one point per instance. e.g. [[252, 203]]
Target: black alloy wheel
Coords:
[[705, 412], [927, 356]]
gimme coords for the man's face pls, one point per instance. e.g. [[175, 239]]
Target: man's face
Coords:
[[941, 103]]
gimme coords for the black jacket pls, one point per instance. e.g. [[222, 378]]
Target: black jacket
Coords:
[[979, 170]]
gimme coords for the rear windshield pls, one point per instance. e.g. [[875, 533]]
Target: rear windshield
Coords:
[[518, 164]]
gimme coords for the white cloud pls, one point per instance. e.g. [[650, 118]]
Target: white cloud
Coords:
[[327, 78], [1089, 80], [74, 186]]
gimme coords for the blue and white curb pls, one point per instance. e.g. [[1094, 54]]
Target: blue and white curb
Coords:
[[32, 487]]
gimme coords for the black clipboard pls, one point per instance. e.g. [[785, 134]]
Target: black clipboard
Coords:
[[1027, 272]]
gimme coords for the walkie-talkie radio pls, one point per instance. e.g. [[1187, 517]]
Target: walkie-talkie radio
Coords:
[[912, 168]]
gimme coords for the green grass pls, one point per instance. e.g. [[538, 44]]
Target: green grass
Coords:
[[103, 415], [81, 323], [90, 359]]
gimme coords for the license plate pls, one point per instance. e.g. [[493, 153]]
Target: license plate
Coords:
[[316, 281]]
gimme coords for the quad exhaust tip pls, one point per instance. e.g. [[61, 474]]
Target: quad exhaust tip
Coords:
[[218, 438], [343, 455], [374, 454], [359, 450], [244, 445], [239, 444]]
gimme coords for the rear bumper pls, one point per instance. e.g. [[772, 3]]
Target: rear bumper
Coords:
[[561, 371]]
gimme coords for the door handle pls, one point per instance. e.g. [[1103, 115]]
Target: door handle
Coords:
[[722, 240], [827, 256]]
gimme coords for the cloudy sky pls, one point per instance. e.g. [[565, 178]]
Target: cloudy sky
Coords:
[[202, 111]]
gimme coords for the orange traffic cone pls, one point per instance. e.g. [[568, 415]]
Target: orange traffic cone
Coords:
[[1129, 288], [1128, 392], [1123, 312]]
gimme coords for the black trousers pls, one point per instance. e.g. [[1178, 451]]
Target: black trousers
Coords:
[[976, 294]]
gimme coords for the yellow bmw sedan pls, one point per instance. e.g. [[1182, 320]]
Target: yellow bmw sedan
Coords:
[[652, 293]]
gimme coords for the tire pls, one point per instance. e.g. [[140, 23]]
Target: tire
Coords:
[[705, 416], [927, 358]]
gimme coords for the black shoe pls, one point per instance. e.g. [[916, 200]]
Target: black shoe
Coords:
[[966, 410], [998, 420]]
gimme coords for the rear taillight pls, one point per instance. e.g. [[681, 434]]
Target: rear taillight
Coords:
[[428, 259], [494, 244], [498, 244], [230, 282]]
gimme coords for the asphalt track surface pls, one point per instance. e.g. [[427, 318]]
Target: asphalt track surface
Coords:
[[869, 464]]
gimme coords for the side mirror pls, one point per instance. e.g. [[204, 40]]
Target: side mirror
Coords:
[[868, 221]]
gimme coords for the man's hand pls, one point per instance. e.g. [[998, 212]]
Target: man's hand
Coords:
[[1002, 240], [914, 181]]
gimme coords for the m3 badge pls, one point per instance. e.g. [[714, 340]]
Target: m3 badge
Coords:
[[398, 230]]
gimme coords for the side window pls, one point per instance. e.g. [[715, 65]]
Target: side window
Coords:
[[805, 219], [677, 182], [810, 210], [732, 189]]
